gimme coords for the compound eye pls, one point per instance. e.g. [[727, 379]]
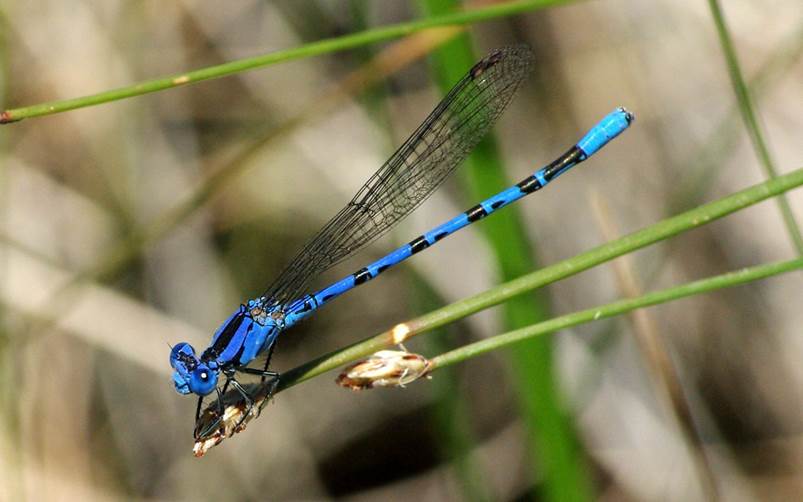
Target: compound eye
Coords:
[[202, 374], [203, 380]]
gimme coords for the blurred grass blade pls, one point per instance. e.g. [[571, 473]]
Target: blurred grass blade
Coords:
[[558, 462], [747, 109], [318, 48], [660, 231], [727, 280]]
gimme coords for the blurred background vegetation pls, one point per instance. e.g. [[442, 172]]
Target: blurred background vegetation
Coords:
[[140, 223]]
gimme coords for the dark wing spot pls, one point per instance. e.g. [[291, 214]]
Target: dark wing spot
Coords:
[[481, 67]]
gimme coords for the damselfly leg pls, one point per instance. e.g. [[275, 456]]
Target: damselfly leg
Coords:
[[218, 422]]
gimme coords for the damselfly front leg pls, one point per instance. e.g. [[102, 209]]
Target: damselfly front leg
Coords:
[[216, 424]]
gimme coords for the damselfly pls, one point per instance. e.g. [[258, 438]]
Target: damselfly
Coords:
[[408, 177]]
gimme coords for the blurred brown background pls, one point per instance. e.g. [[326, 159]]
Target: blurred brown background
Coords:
[[88, 410]]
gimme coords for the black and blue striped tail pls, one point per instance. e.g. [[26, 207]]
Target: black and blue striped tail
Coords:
[[601, 134]]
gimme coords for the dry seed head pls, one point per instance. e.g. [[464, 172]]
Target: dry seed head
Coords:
[[234, 409], [386, 368]]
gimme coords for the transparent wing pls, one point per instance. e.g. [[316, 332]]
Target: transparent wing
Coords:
[[411, 174]]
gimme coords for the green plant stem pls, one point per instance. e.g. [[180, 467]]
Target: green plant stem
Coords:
[[321, 47], [727, 280], [660, 231], [748, 113]]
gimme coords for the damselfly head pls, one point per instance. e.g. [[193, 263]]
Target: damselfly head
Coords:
[[191, 375]]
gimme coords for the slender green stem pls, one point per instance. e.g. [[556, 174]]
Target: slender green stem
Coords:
[[617, 308], [747, 109], [660, 231], [321, 47]]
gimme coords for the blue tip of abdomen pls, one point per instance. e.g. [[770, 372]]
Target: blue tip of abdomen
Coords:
[[608, 128]]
